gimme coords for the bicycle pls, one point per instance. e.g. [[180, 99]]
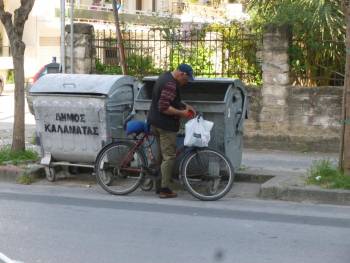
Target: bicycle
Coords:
[[122, 166]]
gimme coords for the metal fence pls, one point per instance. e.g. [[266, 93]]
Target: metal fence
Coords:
[[225, 52], [234, 52]]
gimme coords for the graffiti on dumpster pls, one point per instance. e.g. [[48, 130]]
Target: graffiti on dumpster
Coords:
[[78, 127]]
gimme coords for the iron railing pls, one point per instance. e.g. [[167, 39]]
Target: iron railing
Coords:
[[225, 52], [176, 7]]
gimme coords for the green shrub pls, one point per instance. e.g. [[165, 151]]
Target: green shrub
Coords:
[[10, 78], [326, 174], [199, 58], [317, 48], [137, 65]]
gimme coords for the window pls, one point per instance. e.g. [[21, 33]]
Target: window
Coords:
[[154, 5], [138, 4]]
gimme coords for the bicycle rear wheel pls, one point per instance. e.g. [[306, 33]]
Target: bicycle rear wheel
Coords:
[[119, 168], [207, 174]]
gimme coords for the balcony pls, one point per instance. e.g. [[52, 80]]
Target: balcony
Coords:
[[178, 7], [104, 13]]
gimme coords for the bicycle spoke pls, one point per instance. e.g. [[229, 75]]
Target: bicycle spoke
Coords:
[[207, 174], [119, 168]]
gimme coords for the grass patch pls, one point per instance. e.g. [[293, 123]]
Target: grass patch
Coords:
[[25, 179], [242, 168], [327, 175], [8, 156], [33, 140]]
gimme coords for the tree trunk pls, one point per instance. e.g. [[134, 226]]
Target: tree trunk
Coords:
[[344, 159], [342, 132], [14, 29], [120, 43], [18, 139]]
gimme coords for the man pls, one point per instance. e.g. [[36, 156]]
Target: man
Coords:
[[164, 116]]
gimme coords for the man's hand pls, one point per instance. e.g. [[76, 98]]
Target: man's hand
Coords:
[[189, 107], [187, 114], [175, 112]]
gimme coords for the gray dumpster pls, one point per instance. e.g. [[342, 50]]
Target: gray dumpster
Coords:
[[223, 101], [77, 114]]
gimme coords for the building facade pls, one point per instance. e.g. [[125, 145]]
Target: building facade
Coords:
[[42, 30]]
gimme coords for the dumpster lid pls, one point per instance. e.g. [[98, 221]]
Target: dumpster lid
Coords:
[[201, 89], [80, 83], [199, 80]]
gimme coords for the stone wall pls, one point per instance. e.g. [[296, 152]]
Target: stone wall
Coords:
[[290, 118], [84, 49], [311, 120], [275, 68]]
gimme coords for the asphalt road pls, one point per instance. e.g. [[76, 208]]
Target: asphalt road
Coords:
[[66, 224]]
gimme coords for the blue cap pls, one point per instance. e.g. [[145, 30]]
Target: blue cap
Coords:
[[187, 69]]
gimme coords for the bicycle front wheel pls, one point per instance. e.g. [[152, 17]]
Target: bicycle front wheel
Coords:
[[207, 174], [119, 168]]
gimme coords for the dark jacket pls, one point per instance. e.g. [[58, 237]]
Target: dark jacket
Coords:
[[155, 116]]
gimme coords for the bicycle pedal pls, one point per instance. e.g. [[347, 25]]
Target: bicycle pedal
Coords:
[[156, 172], [149, 170]]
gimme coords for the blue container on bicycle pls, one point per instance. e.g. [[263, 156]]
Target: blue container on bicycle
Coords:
[[137, 127]]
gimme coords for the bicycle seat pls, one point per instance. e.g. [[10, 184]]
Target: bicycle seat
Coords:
[[137, 127]]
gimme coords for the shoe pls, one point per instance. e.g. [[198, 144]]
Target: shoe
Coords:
[[166, 193]]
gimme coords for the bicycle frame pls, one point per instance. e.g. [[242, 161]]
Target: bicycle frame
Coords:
[[139, 143], [128, 158]]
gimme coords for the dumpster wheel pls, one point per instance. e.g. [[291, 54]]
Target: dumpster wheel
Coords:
[[50, 174]]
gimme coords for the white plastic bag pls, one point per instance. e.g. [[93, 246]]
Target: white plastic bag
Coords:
[[197, 132]]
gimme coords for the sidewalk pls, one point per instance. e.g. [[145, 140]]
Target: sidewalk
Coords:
[[7, 118], [9, 88], [286, 173], [265, 174]]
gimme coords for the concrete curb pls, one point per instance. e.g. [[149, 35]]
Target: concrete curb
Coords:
[[264, 176], [253, 176], [11, 173], [289, 188], [280, 185]]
